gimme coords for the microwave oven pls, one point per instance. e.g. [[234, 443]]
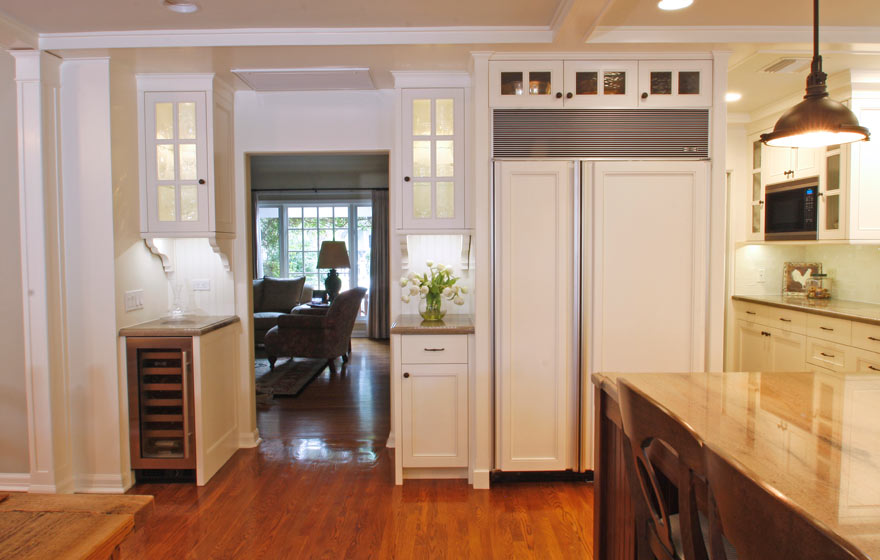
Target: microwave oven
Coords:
[[790, 210]]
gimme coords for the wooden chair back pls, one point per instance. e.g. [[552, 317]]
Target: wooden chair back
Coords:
[[648, 425], [760, 523]]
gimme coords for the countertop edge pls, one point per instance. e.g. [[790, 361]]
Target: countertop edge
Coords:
[[808, 309], [465, 326], [140, 330]]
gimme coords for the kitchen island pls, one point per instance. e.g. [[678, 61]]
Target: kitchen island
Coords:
[[814, 437]]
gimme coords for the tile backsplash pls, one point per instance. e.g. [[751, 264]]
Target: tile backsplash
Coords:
[[854, 269]]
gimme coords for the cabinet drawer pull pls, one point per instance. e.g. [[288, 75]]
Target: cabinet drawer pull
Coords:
[[826, 329], [750, 313], [406, 374], [765, 333], [785, 320], [874, 339], [826, 355], [434, 349], [873, 368]]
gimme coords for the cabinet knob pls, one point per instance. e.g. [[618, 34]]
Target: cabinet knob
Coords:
[[406, 375], [406, 179], [569, 95], [558, 95], [644, 95], [201, 181]]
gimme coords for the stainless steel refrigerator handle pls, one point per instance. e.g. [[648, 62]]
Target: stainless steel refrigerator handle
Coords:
[[184, 368]]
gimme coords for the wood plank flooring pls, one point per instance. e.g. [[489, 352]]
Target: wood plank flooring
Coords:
[[321, 486]]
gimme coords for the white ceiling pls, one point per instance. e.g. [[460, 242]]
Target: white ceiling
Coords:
[[569, 20]]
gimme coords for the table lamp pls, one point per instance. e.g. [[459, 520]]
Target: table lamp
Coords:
[[333, 255]]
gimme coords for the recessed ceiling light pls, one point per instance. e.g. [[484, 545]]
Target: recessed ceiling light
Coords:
[[732, 96], [180, 6], [674, 4]]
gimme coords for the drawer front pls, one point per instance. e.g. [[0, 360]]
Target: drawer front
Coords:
[[829, 328], [866, 336], [785, 319], [434, 349], [746, 311], [828, 354], [868, 362]]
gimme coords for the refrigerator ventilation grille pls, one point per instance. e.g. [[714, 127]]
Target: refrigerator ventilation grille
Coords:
[[601, 133]]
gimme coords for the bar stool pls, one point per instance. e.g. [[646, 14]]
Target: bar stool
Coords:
[[666, 529], [760, 523]]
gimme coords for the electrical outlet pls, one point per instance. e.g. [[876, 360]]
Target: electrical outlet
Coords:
[[762, 275], [201, 285], [134, 300]]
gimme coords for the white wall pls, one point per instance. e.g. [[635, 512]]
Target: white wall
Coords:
[[13, 404], [335, 121], [194, 259]]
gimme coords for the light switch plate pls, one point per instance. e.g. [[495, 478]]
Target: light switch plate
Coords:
[[762, 275], [134, 300], [201, 285]]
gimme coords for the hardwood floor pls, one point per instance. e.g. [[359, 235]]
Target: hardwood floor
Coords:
[[321, 486]]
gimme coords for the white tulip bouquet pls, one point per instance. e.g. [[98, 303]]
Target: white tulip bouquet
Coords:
[[433, 287]]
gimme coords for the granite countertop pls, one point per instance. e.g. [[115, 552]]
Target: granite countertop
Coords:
[[842, 309], [188, 325], [814, 437], [451, 324]]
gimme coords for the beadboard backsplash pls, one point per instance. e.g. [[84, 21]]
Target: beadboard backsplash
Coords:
[[854, 269]]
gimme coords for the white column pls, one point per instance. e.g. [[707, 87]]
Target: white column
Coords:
[[42, 269], [98, 415]]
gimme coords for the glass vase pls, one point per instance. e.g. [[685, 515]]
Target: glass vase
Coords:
[[431, 308]]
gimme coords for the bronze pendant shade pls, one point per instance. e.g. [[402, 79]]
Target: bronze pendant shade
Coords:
[[817, 120]]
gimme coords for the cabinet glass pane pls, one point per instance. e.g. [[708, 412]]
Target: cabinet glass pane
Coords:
[[164, 121], [445, 117], [756, 218], [165, 199], [189, 203], [422, 200], [832, 212], [688, 83], [186, 119], [614, 83], [189, 171], [756, 187], [422, 158], [445, 199], [445, 163], [661, 83], [421, 117], [832, 172], [165, 162], [539, 83], [586, 83], [756, 154], [511, 83]]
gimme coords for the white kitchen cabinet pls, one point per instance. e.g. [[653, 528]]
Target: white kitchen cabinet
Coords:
[[186, 146], [675, 83], [595, 84], [433, 159], [756, 193], [763, 348], [833, 200], [862, 168], [787, 351], [751, 346], [785, 164], [532, 84]]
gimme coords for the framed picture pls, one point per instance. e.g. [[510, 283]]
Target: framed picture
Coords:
[[795, 276]]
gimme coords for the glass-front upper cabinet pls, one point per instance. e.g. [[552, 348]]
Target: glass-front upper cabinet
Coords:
[[831, 207], [601, 84], [534, 83], [176, 161], [675, 83], [433, 159], [756, 195]]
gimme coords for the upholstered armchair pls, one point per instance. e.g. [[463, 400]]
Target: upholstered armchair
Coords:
[[316, 333]]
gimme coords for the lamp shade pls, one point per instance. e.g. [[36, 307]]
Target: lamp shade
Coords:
[[333, 255], [815, 122]]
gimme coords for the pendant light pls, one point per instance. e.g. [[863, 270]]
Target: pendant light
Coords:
[[817, 120]]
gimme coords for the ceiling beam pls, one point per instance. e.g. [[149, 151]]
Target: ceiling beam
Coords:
[[730, 34]]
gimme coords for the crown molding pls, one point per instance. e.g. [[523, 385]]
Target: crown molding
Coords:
[[417, 79], [587, 55], [559, 16], [730, 34], [296, 37]]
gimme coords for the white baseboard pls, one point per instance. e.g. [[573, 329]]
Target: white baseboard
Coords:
[[247, 440], [101, 484], [390, 443], [15, 482], [481, 479]]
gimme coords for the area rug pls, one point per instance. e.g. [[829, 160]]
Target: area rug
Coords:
[[288, 379]]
